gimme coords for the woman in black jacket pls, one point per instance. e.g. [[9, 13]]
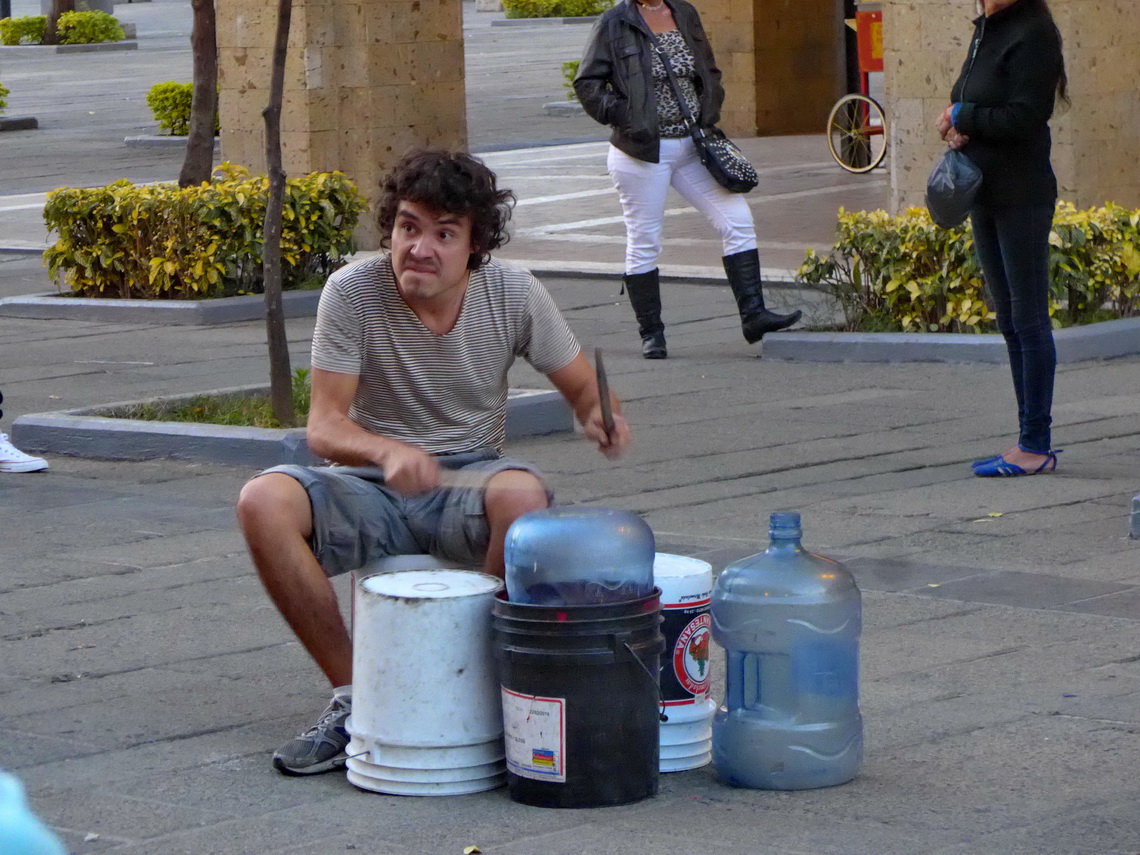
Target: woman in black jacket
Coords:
[[999, 117], [622, 82]]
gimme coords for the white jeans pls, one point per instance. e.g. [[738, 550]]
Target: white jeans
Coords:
[[643, 188]]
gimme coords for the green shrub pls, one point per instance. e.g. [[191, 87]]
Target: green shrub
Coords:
[[905, 274], [23, 31], [88, 28], [569, 72], [170, 104], [555, 8], [3, 97], [162, 242]]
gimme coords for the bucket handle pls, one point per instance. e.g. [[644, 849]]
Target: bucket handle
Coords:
[[624, 640]]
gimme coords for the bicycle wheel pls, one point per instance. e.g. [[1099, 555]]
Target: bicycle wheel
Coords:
[[857, 133]]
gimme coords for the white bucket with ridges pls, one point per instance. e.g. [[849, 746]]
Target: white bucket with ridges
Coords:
[[426, 709], [686, 591]]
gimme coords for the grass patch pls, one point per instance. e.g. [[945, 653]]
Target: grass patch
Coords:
[[241, 411]]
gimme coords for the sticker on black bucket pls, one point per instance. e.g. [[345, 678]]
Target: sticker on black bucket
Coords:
[[534, 729]]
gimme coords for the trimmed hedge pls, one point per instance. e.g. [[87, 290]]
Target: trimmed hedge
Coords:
[[28, 30], [905, 274], [88, 28], [555, 8], [75, 28], [160, 242], [4, 92]]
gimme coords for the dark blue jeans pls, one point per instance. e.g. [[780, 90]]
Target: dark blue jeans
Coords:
[[1013, 245]]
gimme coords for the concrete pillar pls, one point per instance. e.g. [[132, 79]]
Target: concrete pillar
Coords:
[[365, 81], [782, 62], [1094, 141]]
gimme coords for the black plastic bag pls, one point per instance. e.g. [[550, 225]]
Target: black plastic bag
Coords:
[[951, 188]]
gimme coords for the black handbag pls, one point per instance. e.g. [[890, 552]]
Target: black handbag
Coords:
[[720, 155]]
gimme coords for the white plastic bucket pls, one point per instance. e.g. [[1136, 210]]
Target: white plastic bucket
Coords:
[[396, 563], [686, 739], [686, 591], [426, 710]]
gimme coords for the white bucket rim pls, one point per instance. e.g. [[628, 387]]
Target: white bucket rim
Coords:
[[440, 758], [430, 584], [398, 788], [685, 765], [667, 565], [426, 776]]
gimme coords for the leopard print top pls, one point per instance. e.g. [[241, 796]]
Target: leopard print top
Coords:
[[670, 121]]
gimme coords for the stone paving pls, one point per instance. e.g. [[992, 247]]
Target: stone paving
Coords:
[[145, 678]]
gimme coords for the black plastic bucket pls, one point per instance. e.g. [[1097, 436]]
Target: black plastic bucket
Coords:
[[581, 700]]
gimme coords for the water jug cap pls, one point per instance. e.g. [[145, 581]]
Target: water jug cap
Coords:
[[784, 524]]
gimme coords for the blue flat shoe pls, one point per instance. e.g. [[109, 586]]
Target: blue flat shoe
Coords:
[[988, 460], [1001, 468]]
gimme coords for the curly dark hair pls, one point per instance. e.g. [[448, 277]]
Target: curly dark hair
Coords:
[[452, 182]]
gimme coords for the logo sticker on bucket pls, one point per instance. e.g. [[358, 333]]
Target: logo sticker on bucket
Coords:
[[691, 655], [534, 729]]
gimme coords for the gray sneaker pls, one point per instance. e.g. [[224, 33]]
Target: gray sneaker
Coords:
[[321, 748]]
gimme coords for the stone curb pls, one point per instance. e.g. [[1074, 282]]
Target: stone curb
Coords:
[[18, 123], [162, 141], [541, 22], [563, 108], [98, 47], [1105, 340], [691, 274], [224, 310], [297, 304], [93, 432]]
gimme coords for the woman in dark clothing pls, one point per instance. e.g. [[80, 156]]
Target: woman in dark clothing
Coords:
[[999, 117], [622, 82]]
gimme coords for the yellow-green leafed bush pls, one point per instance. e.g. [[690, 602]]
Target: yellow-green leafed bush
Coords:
[[569, 72], [161, 242], [555, 8], [1095, 262], [87, 28], [170, 103], [903, 273], [28, 30], [3, 97]]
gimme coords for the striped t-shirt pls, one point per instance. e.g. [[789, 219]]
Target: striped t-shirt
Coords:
[[442, 393]]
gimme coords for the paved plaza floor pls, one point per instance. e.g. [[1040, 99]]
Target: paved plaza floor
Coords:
[[145, 678]]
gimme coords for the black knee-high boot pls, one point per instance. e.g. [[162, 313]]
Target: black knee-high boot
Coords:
[[644, 291], [743, 270]]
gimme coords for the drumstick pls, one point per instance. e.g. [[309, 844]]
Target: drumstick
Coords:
[[604, 394]]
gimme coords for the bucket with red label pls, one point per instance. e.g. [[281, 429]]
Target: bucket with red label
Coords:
[[686, 589]]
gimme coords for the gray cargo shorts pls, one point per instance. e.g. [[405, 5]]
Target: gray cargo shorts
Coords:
[[357, 520]]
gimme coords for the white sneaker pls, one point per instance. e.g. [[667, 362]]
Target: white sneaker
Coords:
[[14, 460]]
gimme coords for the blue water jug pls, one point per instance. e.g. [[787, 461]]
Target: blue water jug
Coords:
[[21, 832], [789, 622], [578, 556]]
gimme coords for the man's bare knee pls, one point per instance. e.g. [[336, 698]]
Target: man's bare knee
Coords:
[[274, 503], [512, 493]]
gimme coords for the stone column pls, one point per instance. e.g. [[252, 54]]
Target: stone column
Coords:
[[1094, 141], [365, 81], [782, 62]]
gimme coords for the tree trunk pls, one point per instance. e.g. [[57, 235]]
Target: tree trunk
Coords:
[[281, 390], [58, 7], [199, 162]]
